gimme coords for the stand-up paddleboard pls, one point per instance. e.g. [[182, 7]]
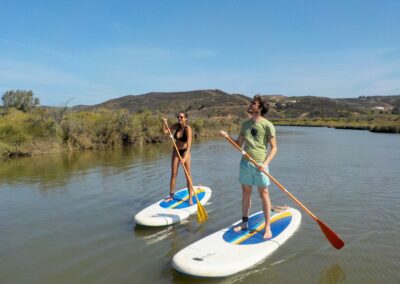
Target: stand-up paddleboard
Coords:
[[164, 213], [227, 252]]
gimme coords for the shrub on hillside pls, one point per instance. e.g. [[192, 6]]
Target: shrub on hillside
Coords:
[[20, 99]]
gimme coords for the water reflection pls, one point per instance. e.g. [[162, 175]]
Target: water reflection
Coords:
[[333, 275], [87, 233], [56, 170], [152, 235]]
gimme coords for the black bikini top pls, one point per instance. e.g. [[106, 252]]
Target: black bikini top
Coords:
[[184, 137]]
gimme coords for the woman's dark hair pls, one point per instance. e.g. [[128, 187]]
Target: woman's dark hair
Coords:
[[184, 113], [264, 105]]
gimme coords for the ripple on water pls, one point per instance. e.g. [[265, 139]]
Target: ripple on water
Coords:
[[70, 220]]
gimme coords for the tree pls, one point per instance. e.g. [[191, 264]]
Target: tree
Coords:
[[20, 99]]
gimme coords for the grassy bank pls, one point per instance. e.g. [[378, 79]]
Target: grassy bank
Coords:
[[42, 131], [375, 123]]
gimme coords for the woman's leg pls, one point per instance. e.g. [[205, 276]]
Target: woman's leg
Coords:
[[174, 173], [189, 186]]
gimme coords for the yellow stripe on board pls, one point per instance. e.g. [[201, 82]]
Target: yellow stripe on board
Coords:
[[186, 198], [281, 216], [245, 237], [261, 227]]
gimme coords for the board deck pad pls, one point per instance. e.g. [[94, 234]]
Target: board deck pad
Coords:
[[227, 252], [164, 212], [256, 229], [181, 199]]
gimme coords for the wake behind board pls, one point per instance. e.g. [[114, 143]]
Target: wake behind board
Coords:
[[226, 252], [164, 213]]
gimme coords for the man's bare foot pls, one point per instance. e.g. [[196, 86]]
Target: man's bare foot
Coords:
[[268, 233], [242, 226], [278, 209]]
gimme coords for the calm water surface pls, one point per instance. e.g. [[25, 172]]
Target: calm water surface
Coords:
[[69, 219]]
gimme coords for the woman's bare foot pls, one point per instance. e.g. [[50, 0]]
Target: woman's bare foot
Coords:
[[268, 233], [169, 198]]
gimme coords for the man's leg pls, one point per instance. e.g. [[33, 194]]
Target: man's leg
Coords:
[[266, 204], [246, 204]]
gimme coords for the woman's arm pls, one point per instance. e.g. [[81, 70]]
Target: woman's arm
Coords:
[[164, 127], [189, 142]]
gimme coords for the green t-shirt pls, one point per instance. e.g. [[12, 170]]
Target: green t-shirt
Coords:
[[256, 137]]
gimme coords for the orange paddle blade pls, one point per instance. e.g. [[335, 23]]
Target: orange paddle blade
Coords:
[[333, 238]]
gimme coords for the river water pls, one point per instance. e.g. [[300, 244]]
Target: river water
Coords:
[[69, 218]]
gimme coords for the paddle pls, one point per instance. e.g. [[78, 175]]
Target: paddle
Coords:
[[202, 215], [332, 237]]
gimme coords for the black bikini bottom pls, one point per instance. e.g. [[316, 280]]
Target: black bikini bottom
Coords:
[[182, 152]]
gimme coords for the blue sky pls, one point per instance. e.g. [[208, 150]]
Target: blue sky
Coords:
[[86, 52]]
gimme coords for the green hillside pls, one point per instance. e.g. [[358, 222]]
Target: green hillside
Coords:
[[136, 120], [374, 113], [202, 102], [210, 103]]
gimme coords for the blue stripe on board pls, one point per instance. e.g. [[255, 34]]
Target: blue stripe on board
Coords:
[[179, 195], [277, 227]]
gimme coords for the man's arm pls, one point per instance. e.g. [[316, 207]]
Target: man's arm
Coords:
[[272, 152], [239, 141]]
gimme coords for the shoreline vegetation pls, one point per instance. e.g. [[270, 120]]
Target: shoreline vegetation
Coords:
[[377, 123], [46, 131], [27, 129], [50, 130]]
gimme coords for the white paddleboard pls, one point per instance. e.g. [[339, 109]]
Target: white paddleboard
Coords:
[[164, 213], [226, 252]]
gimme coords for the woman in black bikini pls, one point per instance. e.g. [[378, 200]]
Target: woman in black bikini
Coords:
[[183, 140]]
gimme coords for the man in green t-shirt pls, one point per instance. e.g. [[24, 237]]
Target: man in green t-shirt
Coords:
[[256, 133]]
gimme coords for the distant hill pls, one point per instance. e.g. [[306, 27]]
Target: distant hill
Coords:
[[312, 107], [196, 102], [214, 103]]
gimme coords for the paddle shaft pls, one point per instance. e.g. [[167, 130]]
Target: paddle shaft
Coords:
[[271, 177], [329, 233], [183, 165]]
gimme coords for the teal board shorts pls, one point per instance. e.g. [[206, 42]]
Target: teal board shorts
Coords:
[[251, 175]]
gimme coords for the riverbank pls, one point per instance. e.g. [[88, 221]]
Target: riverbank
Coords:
[[45, 131], [377, 123]]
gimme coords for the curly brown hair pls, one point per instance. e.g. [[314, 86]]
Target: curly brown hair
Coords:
[[264, 105]]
